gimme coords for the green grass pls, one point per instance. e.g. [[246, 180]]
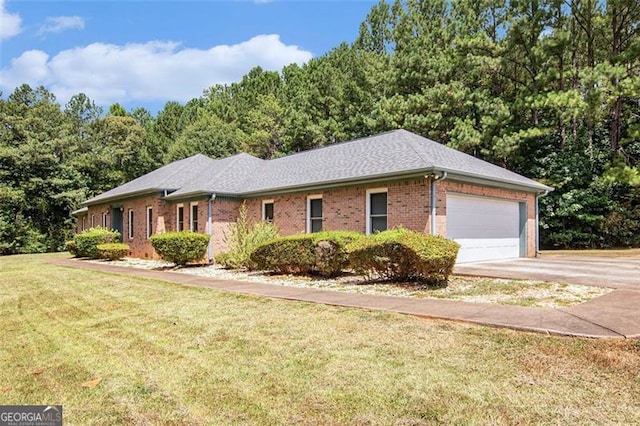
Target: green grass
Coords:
[[169, 354]]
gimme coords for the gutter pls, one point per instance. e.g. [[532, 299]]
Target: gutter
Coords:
[[210, 228], [367, 180], [433, 177], [80, 211], [538, 196], [133, 194]]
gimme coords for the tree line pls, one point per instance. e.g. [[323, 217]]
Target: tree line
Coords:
[[546, 88]]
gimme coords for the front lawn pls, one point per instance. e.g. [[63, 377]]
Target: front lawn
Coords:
[[168, 354]]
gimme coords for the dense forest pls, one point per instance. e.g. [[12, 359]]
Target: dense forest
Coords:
[[547, 88]]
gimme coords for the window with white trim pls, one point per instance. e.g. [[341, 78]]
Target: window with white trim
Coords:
[[149, 221], [314, 213], [376, 210], [84, 223], [130, 223], [267, 210], [180, 217], [104, 219], [93, 220], [194, 217]]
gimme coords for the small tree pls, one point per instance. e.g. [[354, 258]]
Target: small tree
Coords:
[[243, 239]]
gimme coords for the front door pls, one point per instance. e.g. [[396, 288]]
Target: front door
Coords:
[[116, 220]]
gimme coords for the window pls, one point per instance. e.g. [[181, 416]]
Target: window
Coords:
[[84, 223], [104, 219], [93, 220], [314, 213], [376, 210], [267, 210], [149, 222], [194, 217], [180, 218], [130, 224]]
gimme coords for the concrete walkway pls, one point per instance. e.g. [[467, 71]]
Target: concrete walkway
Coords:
[[614, 315]]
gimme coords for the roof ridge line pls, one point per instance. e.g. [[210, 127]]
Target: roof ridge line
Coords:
[[339, 143], [413, 147], [181, 168]]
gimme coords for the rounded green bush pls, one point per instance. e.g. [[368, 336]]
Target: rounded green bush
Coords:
[[112, 251], [286, 255], [180, 247], [87, 241], [322, 252], [402, 255]]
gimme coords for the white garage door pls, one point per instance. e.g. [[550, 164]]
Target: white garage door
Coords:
[[485, 228]]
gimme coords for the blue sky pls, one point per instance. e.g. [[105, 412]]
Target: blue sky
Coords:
[[145, 53]]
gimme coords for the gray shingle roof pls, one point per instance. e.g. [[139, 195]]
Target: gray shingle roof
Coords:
[[170, 177], [229, 175], [392, 154]]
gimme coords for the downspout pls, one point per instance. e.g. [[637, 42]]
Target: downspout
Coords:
[[433, 178], [538, 196], [210, 228]]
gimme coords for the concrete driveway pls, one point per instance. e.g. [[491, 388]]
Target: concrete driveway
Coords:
[[621, 272]]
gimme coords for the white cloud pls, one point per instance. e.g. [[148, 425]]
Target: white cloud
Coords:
[[10, 23], [153, 71], [58, 24]]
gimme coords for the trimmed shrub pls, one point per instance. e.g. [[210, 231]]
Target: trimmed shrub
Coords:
[[112, 251], [243, 239], [87, 241], [331, 255], [402, 255], [71, 247], [286, 255], [180, 247], [323, 252]]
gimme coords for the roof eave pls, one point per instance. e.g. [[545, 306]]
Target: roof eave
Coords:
[[80, 211], [535, 187], [463, 176], [187, 195], [339, 183], [123, 196]]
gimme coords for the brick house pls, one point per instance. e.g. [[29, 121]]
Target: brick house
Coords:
[[365, 185]]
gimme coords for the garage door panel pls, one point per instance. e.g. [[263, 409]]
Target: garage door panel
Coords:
[[475, 249], [485, 228]]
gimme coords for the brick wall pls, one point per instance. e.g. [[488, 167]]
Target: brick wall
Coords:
[[408, 204], [224, 214], [345, 208], [82, 223], [139, 245]]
